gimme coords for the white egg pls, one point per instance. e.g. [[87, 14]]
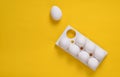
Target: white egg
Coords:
[[93, 63], [56, 13], [99, 54], [64, 42], [74, 49], [90, 47], [80, 41], [83, 56]]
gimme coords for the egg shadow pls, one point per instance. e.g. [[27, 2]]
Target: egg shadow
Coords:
[[53, 21], [74, 62]]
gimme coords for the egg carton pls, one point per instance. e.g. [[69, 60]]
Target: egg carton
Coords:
[[82, 48]]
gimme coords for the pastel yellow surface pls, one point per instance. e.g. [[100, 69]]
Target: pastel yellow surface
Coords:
[[28, 36]]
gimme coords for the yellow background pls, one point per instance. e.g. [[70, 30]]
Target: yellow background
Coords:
[[28, 36]]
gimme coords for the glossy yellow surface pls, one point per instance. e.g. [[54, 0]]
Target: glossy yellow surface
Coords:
[[28, 36]]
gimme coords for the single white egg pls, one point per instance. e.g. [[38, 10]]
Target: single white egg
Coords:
[[90, 47], [74, 49], [99, 54], [93, 63], [56, 13], [83, 56], [80, 41], [64, 42]]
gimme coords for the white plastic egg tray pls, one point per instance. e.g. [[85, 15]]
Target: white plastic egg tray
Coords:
[[82, 48]]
